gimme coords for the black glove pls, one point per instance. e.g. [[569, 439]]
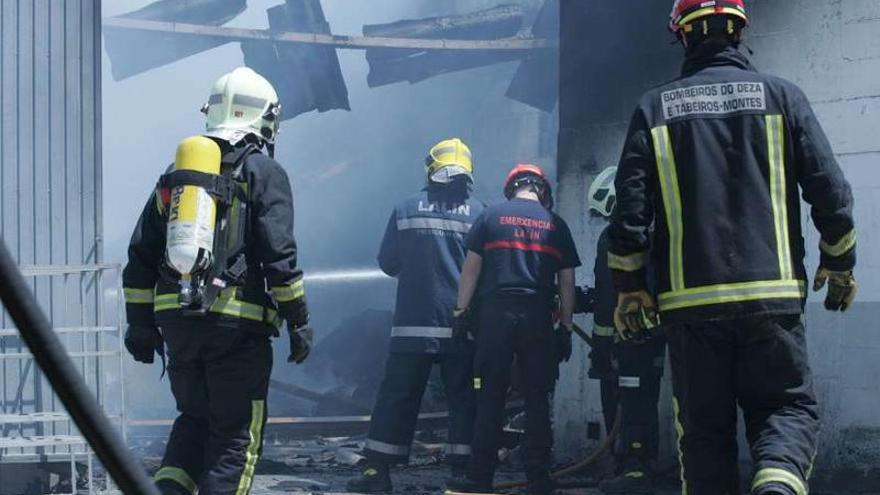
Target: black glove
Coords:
[[601, 357], [842, 288], [462, 324], [143, 342], [563, 344], [584, 300], [300, 343]]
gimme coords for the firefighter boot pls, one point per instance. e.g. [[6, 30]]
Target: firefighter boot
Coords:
[[376, 478], [635, 479]]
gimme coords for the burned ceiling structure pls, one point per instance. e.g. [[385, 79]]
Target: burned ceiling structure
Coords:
[[298, 51]]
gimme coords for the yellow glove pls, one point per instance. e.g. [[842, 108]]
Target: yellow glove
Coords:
[[842, 288], [636, 312]]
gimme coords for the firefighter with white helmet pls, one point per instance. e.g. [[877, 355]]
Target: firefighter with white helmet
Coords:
[[211, 277], [629, 370]]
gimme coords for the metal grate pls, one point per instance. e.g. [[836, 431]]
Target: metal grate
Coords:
[[84, 304]]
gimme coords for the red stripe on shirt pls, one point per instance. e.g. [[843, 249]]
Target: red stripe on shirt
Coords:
[[524, 246]]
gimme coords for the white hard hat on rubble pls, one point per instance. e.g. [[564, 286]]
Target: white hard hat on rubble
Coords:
[[242, 102], [602, 196]]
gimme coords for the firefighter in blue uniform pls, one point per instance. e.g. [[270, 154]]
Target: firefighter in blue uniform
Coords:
[[629, 371], [714, 161], [519, 252], [220, 353], [424, 249]]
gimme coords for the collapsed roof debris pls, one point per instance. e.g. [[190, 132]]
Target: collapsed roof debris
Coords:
[[391, 65], [298, 53], [307, 77], [536, 82], [125, 47]]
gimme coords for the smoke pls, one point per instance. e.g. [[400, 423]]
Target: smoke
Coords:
[[347, 169]]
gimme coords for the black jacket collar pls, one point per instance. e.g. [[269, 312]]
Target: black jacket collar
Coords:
[[711, 55]]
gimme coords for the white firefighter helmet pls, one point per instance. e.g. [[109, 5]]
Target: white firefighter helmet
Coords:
[[242, 102], [602, 196]]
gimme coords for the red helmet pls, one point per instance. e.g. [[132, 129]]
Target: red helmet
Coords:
[[524, 174], [687, 11]]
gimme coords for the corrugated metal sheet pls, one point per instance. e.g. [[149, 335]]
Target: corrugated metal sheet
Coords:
[[50, 163], [50, 150]]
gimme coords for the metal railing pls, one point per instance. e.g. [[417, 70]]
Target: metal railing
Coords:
[[84, 305]]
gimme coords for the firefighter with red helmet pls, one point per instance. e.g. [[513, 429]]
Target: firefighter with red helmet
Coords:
[[518, 252], [714, 162]]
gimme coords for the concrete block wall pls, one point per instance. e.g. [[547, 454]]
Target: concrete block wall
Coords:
[[832, 50]]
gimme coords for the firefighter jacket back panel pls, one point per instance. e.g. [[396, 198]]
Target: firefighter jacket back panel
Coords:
[[424, 248], [719, 155]]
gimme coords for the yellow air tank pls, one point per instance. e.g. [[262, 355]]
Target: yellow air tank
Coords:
[[193, 212]]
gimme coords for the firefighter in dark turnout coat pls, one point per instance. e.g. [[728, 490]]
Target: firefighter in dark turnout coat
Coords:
[[423, 248], [629, 372], [220, 356], [714, 160]]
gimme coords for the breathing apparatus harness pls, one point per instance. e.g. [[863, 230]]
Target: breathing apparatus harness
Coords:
[[228, 266]]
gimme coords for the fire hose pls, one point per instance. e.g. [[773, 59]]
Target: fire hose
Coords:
[[594, 456], [50, 355]]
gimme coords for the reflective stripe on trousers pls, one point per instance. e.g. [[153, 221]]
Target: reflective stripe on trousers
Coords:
[[457, 449], [177, 475], [766, 476], [425, 332], [252, 455]]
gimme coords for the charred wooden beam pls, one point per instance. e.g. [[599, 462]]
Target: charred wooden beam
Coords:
[[307, 77], [339, 41], [306, 427], [536, 82], [132, 52], [389, 66], [316, 397]]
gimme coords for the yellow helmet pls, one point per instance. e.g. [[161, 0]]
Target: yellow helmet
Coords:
[[449, 159]]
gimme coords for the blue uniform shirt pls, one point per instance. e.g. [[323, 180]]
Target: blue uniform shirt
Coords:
[[523, 246], [424, 248]]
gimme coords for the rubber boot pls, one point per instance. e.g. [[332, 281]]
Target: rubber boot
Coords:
[[634, 479], [376, 478]]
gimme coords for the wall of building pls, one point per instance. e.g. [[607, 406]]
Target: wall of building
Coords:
[[50, 161], [832, 50]]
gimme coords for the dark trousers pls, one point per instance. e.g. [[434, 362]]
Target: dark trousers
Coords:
[[604, 369], [220, 379], [399, 400], [639, 370], [629, 377], [759, 363], [511, 327]]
